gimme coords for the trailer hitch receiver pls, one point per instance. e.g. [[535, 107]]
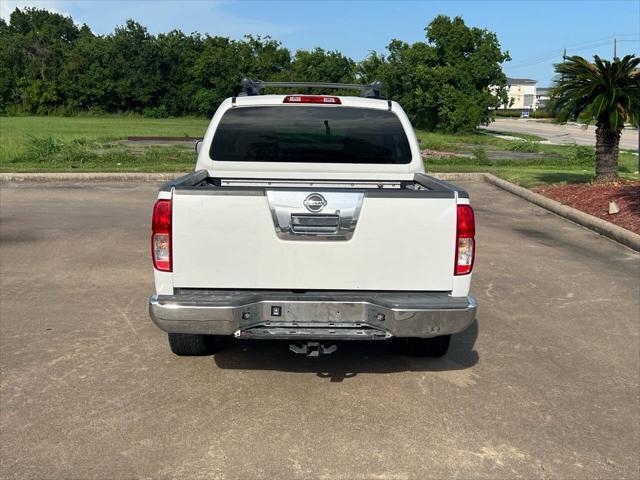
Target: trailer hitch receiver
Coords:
[[313, 349]]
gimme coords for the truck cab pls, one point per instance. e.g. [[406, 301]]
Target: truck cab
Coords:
[[309, 218]]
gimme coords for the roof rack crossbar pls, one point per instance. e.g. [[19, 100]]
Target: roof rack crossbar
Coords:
[[252, 87]]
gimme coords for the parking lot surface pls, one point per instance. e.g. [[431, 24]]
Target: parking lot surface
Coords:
[[543, 385]]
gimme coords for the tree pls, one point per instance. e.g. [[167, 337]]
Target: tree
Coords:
[[35, 45], [607, 92], [224, 62], [263, 58], [178, 55], [368, 70], [12, 61], [50, 65], [319, 65], [452, 82], [134, 68], [85, 82], [217, 73]]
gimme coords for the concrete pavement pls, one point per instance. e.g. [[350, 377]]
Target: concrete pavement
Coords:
[[543, 385], [560, 134]]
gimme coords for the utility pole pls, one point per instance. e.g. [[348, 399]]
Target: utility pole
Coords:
[[615, 48]]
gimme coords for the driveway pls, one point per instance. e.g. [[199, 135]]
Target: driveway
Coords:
[[560, 134], [543, 385]]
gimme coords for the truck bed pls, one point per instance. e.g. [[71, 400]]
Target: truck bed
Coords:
[[428, 186]]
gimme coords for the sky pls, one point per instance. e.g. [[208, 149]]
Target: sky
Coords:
[[534, 32]]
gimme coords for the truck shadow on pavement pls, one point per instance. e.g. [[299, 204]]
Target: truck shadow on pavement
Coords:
[[349, 360]]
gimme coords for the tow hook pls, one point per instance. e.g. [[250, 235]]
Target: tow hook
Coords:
[[313, 349]]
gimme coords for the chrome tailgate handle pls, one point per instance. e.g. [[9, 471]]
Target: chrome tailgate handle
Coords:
[[315, 224], [315, 215]]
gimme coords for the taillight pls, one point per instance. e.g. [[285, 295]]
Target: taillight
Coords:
[[465, 243], [311, 99], [161, 236]]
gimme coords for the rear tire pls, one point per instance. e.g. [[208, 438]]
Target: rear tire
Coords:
[[192, 345], [426, 347]]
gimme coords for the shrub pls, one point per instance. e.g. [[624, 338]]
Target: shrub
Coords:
[[508, 113], [480, 155], [524, 145], [43, 148], [542, 114], [156, 112], [583, 155], [511, 113]]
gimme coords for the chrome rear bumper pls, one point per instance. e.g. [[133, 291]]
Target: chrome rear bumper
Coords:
[[312, 315]]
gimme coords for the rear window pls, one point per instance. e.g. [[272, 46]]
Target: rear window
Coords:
[[310, 134]]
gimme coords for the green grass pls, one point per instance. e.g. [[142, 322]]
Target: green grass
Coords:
[[455, 143], [59, 144], [526, 146], [523, 136], [527, 177], [39, 144], [98, 128], [544, 164]]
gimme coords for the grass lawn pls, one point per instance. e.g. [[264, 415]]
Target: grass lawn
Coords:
[[18, 130], [59, 144], [526, 161]]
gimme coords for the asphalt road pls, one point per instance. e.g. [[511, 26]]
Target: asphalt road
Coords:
[[560, 134], [543, 385]]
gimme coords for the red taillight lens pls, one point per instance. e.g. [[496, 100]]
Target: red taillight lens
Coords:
[[312, 99], [465, 242], [161, 236]]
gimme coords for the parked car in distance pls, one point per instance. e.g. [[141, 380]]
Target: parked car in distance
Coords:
[[309, 218]]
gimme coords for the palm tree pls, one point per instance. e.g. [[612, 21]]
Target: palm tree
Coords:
[[605, 92]]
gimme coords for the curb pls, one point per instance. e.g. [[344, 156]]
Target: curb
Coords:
[[88, 176], [458, 176], [614, 232]]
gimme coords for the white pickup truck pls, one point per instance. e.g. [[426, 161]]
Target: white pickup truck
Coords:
[[309, 218]]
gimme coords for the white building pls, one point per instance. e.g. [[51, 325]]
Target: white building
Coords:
[[522, 94], [543, 95]]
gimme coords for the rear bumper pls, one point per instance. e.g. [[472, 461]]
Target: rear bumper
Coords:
[[312, 315]]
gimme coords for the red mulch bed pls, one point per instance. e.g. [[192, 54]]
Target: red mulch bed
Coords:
[[594, 199]]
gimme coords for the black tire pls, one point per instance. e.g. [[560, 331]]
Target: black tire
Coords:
[[190, 345], [426, 347]]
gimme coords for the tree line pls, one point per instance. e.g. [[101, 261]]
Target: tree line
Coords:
[[49, 65]]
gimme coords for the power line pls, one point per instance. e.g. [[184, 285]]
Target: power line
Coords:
[[552, 57], [534, 60], [576, 45], [543, 57], [522, 63]]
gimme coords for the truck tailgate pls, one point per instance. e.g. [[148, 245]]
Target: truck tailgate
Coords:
[[235, 239]]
